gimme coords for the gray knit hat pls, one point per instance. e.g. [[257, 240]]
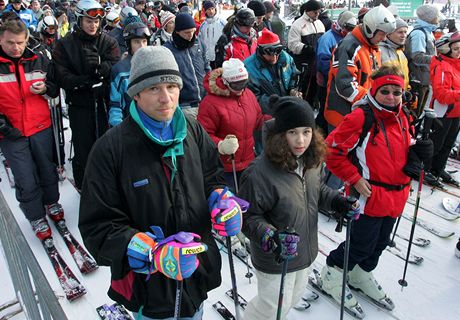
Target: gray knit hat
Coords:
[[400, 23], [427, 13], [152, 65]]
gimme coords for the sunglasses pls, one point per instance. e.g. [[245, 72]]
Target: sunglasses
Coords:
[[95, 13], [238, 85], [394, 93], [272, 51], [143, 32]]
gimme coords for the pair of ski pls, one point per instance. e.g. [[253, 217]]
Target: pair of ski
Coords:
[[446, 215], [73, 289], [413, 259], [436, 230], [113, 312], [222, 310]]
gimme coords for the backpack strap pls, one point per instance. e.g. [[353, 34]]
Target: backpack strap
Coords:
[[369, 120]]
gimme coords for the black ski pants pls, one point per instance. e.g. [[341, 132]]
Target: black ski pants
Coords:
[[84, 134], [369, 237], [443, 141], [35, 175]]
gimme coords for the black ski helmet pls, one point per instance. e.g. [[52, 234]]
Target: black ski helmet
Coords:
[[136, 30]]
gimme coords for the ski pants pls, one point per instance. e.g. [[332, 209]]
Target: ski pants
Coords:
[[197, 316], [443, 141], [369, 237], [264, 305], [34, 171], [85, 132]]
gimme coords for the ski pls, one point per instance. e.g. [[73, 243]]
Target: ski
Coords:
[[241, 301], [445, 215], [222, 310], [114, 312], [413, 259], [315, 282], [419, 242], [433, 188], [430, 228], [9, 173], [10, 314], [236, 252], [452, 206], [69, 283], [84, 261]]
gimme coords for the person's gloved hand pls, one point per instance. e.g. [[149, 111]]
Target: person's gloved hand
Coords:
[[423, 149], [7, 129], [226, 212], [140, 252], [229, 145], [282, 243], [115, 116], [346, 207], [308, 51], [176, 256], [93, 60]]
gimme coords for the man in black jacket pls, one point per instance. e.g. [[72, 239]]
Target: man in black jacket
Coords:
[[150, 177], [83, 61]]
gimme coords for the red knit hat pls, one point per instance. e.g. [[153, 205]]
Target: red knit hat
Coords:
[[268, 39]]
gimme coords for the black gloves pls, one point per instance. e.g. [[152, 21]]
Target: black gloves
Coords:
[[93, 61], [423, 149], [7, 129], [345, 207], [308, 51]]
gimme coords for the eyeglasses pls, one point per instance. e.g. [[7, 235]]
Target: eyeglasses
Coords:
[[272, 51], [394, 93], [95, 13], [238, 85], [143, 32]]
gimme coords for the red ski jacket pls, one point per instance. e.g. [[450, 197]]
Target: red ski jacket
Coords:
[[26, 111], [222, 113], [445, 79], [380, 158]]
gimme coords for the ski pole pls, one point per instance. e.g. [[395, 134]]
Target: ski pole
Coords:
[[235, 181], [178, 300], [233, 276], [345, 266], [430, 116], [54, 120], [281, 294], [392, 241], [95, 88]]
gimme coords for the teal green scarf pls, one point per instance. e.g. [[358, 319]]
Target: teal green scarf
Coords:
[[175, 145]]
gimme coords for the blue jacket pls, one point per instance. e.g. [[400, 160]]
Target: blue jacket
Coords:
[[261, 80], [26, 15], [119, 98], [192, 78], [326, 45]]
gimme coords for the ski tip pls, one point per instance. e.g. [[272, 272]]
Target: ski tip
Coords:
[[89, 268], [76, 293]]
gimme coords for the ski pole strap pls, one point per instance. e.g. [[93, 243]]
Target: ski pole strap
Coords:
[[389, 187]]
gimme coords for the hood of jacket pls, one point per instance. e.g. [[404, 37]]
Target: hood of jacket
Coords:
[[213, 83], [420, 24]]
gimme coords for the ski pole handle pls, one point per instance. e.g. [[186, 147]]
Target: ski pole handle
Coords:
[[339, 226]]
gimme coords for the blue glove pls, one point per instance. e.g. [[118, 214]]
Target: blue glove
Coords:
[[226, 212], [140, 252], [115, 116]]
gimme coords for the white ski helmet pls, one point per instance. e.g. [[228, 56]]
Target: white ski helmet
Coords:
[[127, 12], [46, 22], [378, 18], [112, 17], [443, 44], [90, 9]]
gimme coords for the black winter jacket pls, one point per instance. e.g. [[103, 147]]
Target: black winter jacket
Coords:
[[127, 189], [72, 72]]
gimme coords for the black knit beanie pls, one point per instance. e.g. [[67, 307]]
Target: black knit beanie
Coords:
[[311, 5], [291, 112], [258, 8]]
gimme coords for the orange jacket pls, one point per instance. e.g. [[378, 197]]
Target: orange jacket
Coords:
[[353, 62]]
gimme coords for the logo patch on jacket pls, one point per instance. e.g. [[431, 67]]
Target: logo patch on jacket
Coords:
[[140, 183]]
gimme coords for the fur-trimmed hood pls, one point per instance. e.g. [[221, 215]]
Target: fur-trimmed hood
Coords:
[[213, 83]]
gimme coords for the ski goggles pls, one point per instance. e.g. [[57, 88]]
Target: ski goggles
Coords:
[[349, 27], [95, 13], [237, 85], [272, 51], [142, 32]]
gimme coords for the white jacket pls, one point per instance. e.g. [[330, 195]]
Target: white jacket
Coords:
[[301, 28], [210, 32]]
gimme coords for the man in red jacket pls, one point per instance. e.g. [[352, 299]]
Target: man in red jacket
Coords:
[[26, 136]]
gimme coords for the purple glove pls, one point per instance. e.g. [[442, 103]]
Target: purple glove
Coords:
[[282, 243]]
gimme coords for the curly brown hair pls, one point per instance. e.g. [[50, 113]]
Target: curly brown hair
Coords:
[[277, 151]]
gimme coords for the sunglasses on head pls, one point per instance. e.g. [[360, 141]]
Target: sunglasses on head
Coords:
[[272, 51], [238, 85], [386, 92], [95, 13]]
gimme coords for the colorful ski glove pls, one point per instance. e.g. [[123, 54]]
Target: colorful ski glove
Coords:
[[139, 252], [175, 256], [226, 212], [347, 207], [282, 243]]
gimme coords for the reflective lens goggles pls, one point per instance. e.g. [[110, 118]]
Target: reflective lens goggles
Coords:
[[143, 32], [238, 85], [272, 51], [114, 21], [96, 13], [349, 27], [385, 92]]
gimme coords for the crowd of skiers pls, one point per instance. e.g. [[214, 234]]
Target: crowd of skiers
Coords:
[[169, 110]]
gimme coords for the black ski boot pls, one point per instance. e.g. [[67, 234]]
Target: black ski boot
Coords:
[[432, 180], [447, 178]]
